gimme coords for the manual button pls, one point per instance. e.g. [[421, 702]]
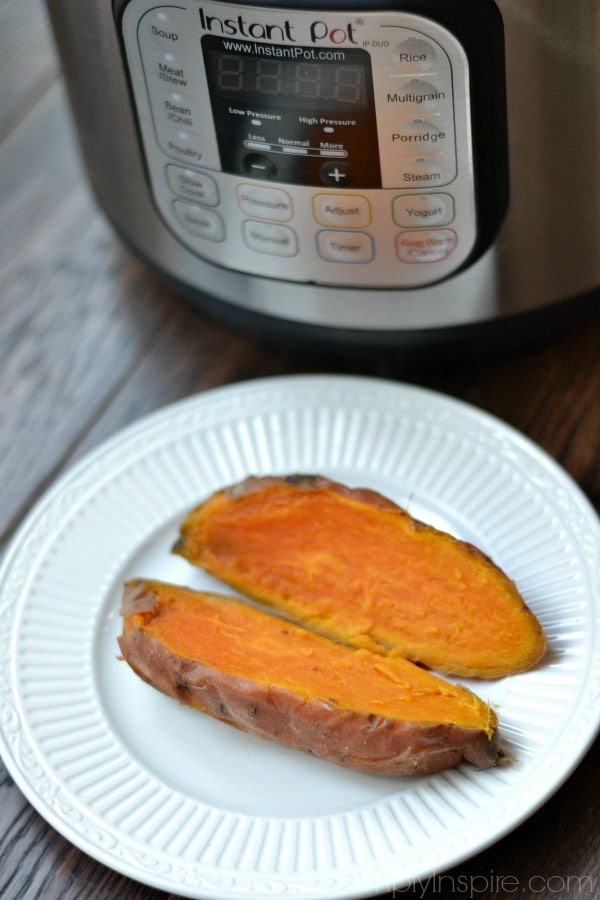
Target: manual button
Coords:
[[342, 210]]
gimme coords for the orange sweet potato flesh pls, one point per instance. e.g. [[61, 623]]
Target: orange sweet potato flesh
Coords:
[[269, 677], [352, 565]]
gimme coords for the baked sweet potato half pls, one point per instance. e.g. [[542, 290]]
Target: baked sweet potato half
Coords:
[[274, 679], [352, 565]]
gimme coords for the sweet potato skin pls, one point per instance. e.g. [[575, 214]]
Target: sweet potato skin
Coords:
[[422, 632], [350, 738]]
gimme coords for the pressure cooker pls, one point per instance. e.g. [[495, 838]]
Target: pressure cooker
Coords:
[[382, 173]]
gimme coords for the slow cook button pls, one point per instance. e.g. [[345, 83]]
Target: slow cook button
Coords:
[[345, 246], [192, 185], [264, 203], [164, 27], [422, 210], [266, 237], [204, 223], [342, 210], [425, 246]]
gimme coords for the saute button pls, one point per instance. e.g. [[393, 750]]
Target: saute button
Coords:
[[345, 246], [204, 223], [342, 210], [193, 185], [422, 210], [425, 246]]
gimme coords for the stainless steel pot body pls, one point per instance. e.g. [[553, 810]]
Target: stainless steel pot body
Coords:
[[544, 255]]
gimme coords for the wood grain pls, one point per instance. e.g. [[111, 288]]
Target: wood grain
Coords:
[[90, 340]]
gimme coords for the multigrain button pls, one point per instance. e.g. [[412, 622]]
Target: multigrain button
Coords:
[[416, 95], [421, 247], [345, 246], [342, 210]]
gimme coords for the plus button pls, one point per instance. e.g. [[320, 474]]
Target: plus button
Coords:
[[333, 172]]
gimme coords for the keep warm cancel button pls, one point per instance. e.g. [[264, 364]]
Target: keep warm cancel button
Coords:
[[425, 246]]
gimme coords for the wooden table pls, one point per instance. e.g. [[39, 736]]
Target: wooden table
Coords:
[[90, 340]]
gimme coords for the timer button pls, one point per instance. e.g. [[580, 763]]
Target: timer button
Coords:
[[415, 55], [345, 246]]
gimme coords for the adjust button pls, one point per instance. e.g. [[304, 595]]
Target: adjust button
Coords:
[[342, 210]]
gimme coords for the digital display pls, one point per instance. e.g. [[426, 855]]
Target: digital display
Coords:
[[337, 84], [296, 115]]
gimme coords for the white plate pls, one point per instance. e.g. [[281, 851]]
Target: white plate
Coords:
[[178, 801]]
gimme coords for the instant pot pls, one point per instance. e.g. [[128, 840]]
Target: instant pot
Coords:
[[382, 173]]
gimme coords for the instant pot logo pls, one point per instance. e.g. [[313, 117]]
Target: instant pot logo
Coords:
[[238, 26]]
